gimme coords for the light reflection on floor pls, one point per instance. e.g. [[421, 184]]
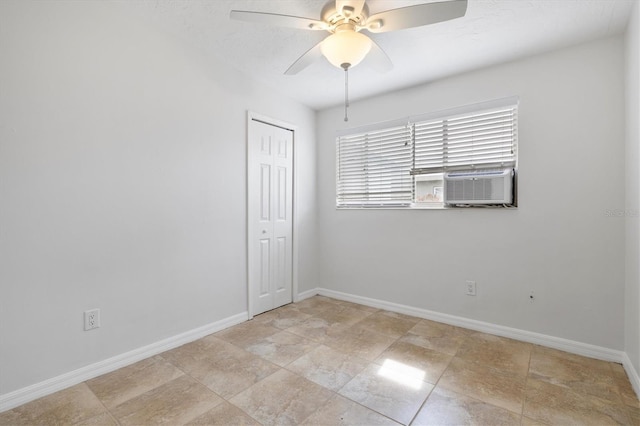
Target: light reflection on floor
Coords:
[[402, 373]]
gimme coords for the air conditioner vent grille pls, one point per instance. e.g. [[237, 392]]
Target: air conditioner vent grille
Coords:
[[479, 188]]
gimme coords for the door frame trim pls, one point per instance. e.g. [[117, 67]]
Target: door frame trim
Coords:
[[251, 117]]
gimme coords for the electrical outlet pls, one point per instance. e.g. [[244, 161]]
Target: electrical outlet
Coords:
[[91, 319], [471, 288]]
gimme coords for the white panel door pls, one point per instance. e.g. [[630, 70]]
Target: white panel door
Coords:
[[270, 216]]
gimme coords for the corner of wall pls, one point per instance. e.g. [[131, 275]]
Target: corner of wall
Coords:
[[632, 195]]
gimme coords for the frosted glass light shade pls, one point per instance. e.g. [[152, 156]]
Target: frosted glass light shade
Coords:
[[345, 47]]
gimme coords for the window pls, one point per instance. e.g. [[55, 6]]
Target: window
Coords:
[[404, 163], [374, 168]]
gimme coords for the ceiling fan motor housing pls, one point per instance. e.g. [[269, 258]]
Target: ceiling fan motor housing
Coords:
[[335, 17]]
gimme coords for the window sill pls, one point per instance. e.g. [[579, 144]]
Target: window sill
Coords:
[[427, 207]]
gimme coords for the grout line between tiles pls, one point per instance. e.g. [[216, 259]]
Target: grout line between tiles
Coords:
[[526, 382], [101, 403]]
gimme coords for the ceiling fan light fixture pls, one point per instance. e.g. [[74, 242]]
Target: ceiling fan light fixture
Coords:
[[346, 47]]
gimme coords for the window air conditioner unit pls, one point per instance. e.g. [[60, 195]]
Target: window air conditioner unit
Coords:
[[479, 187]]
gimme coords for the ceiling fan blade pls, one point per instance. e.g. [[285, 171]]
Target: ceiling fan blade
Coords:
[[378, 59], [349, 7], [305, 60], [415, 16], [279, 20]]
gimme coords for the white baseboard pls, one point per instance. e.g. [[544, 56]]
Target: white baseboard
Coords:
[[632, 373], [566, 345], [306, 294], [38, 390]]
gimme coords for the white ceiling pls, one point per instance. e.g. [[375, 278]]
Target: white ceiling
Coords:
[[491, 32]]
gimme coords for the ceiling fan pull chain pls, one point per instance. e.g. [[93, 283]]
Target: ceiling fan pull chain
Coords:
[[346, 90]]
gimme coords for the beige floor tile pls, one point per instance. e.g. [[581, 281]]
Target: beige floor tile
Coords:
[[388, 392], [388, 323], [247, 333], [625, 389], [342, 411], [328, 367], [343, 315], [430, 364], [328, 310], [584, 375], [558, 405], [128, 382], [436, 336], [494, 351], [360, 342], [282, 318], [317, 301], [65, 407], [578, 359], [224, 414], [104, 419], [282, 348], [445, 407], [398, 315], [317, 329], [221, 366], [315, 305], [634, 415], [526, 421], [497, 387], [369, 309], [283, 398], [175, 402]]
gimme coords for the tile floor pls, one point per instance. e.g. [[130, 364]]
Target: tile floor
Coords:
[[329, 362]]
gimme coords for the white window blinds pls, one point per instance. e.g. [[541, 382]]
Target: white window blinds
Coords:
[[480, 139], [429, 150], [376, 165], [374, 168]]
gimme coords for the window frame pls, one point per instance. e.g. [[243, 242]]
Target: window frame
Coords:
[[459, 113]]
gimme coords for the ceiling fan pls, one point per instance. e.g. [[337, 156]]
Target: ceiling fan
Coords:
[[347, 46]]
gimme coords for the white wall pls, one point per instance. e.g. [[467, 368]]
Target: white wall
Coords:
[[560, 242], [122, 186], [632, 91]]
